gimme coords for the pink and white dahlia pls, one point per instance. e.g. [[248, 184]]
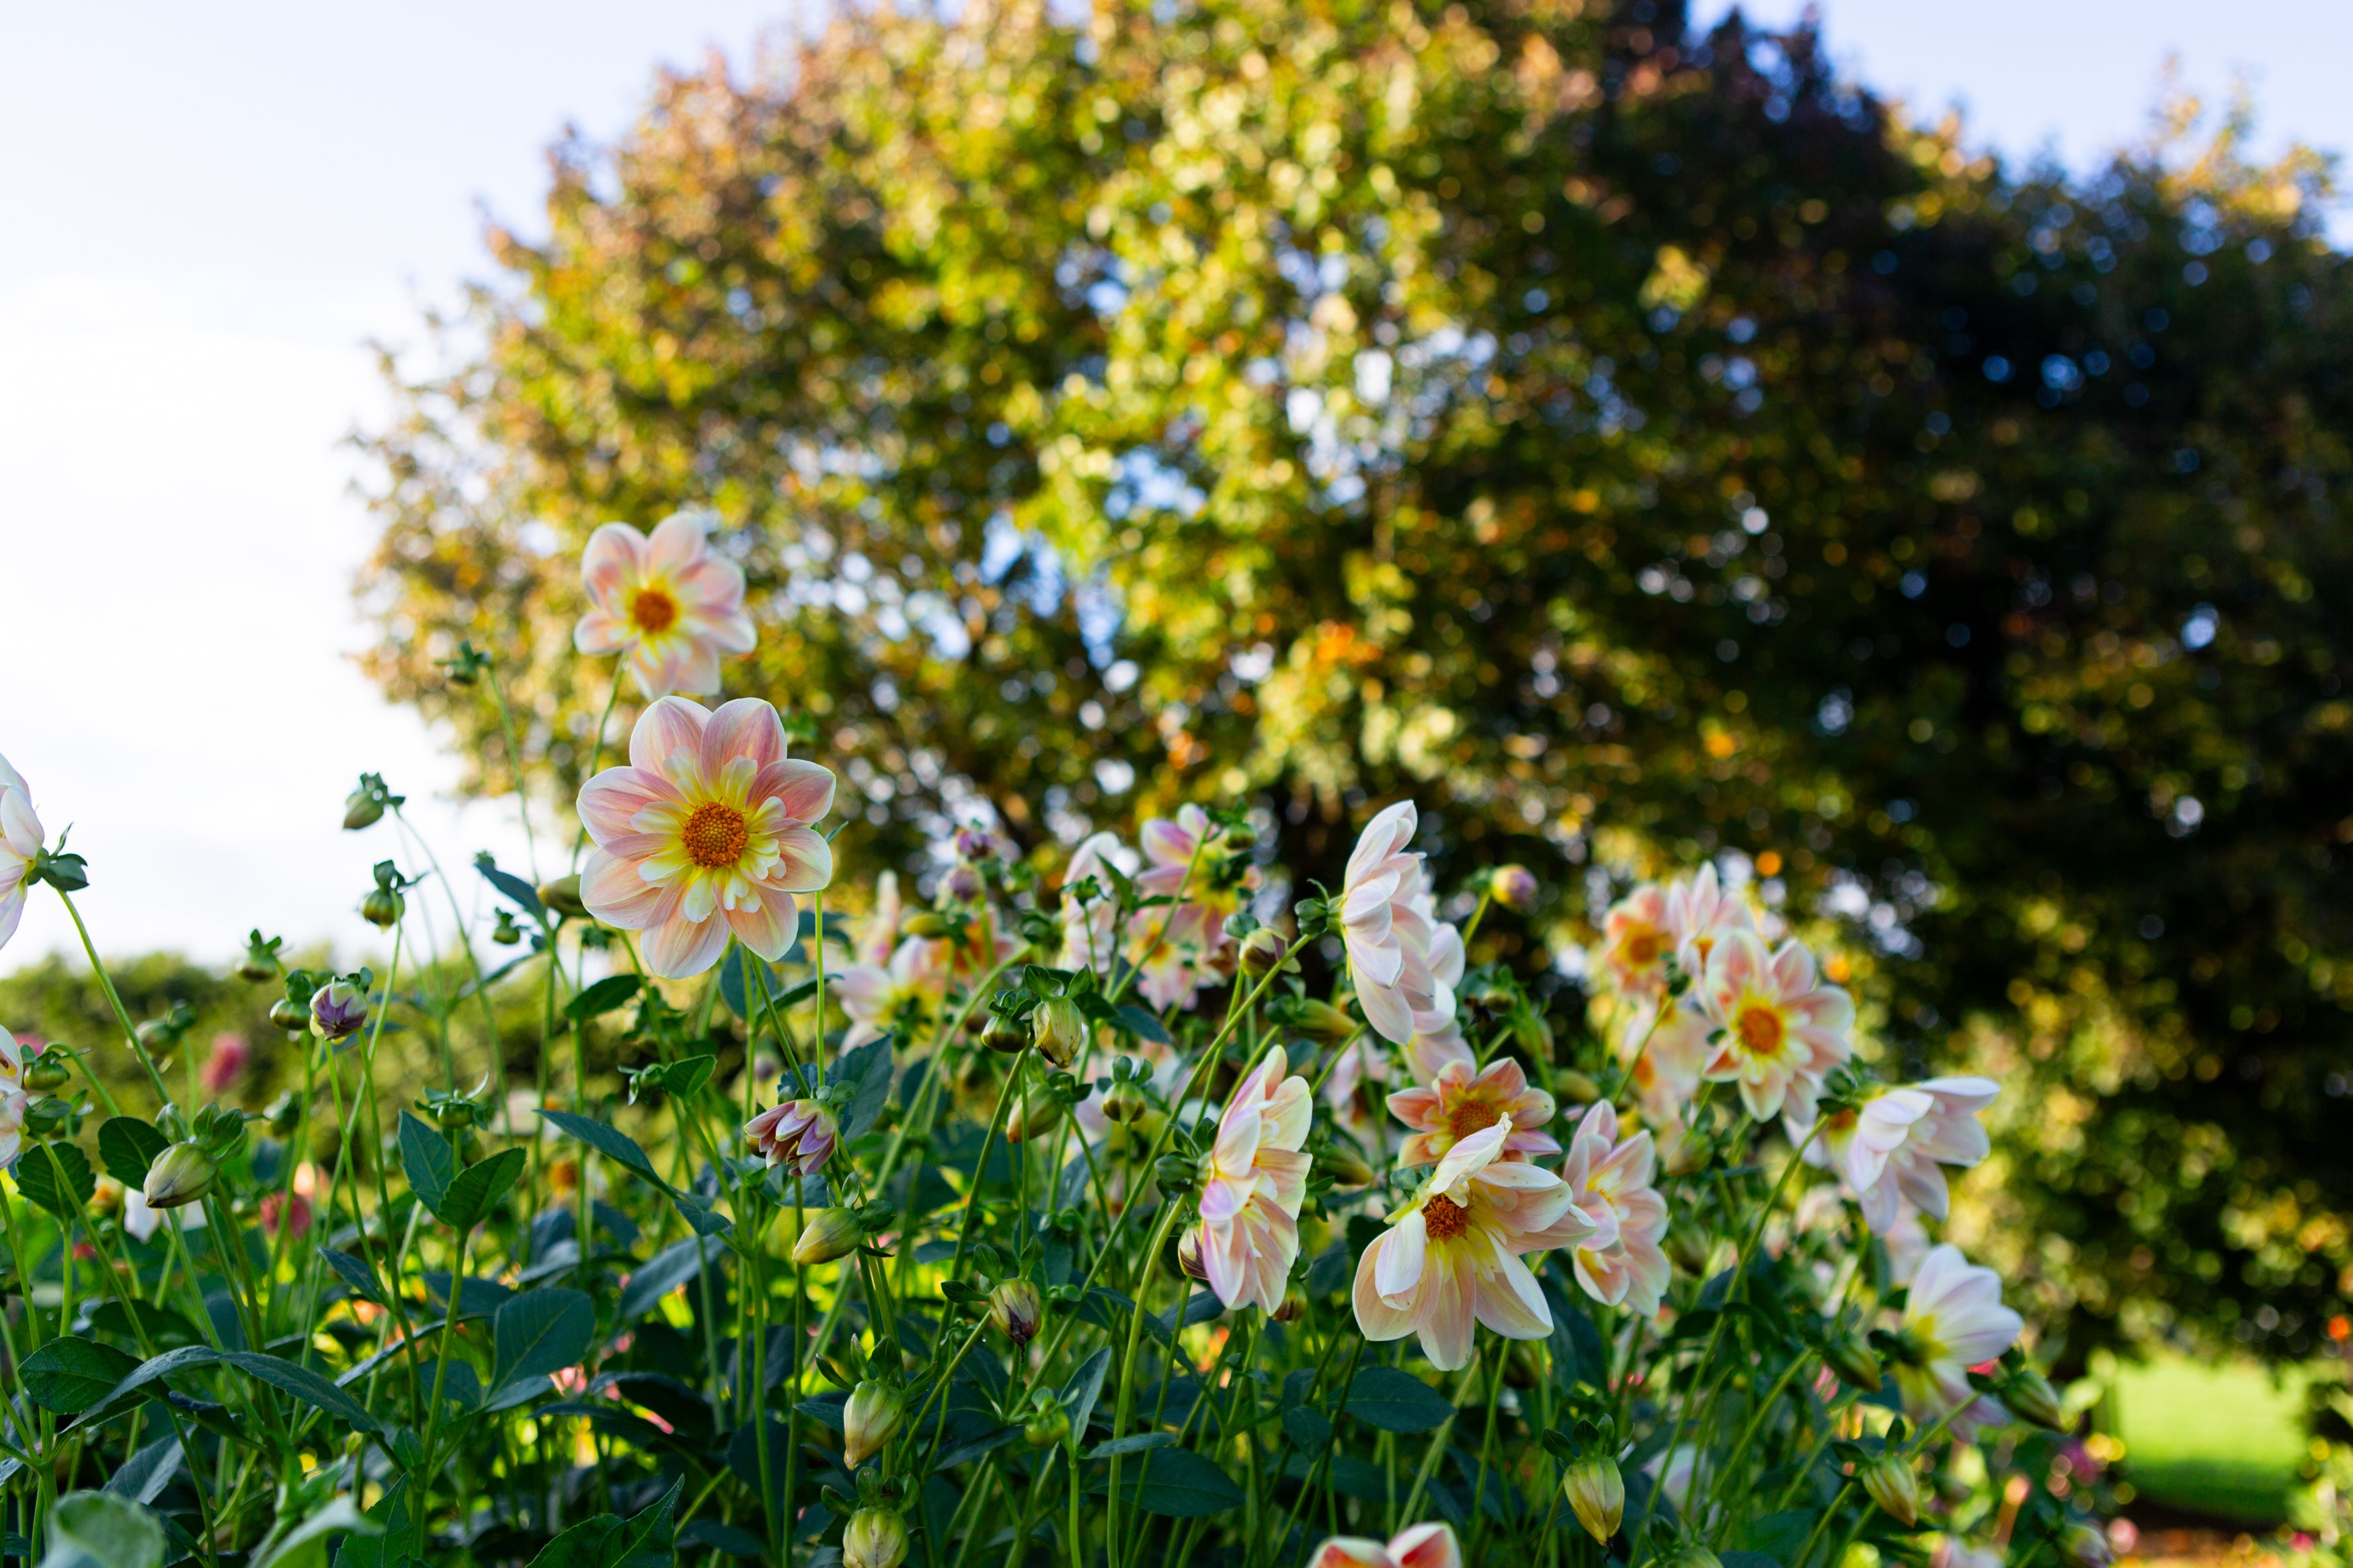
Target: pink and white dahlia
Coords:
[[1700, 912], [1667, 1065], [1636, 943], [1452, 1257], [1390, 935], [667, 603], [798, 1133], [13, 1097], [706, 832], [20, 841], [901, 994], [1609, 1180], [1253, 1179], [1896, 1145], [1091, 925], [1463, 1101], [1953, 1320], [1422, 1546], [1783, 1027], [1178, 948]]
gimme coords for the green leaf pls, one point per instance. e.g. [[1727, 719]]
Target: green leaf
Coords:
[[1578, 1352], [57, 1177], [867, 1067], [525, 897], [1139, 1023], [540, 1332], [305, 1546], [163, 1326], [67, 1376], [1309, 1430], [142, 1477], [428, 1158], [477, 1187], [309, 1387], [608, 1541], [1175, 1483], [613, 991], [1078, 1395], [611, 1143], [129, 1146], [94, 1529], [354, 1273], [1133, 1442], [699, 1218], [1395, 1400], [665, 1271]]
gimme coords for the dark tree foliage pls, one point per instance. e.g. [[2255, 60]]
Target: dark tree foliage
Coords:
[[1631, 442]]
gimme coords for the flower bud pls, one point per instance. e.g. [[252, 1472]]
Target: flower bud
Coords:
[[180, 1174], [1123, 1102], [2025, 1391], [1015, 1309], [1032, 1114], [1597, 1495], [1692, 1554], [1188, 1255], [1322, 1022], [1689, 1245], [1176, 1174], [1846, 1353], [1047, 1427], [381, 908], [284, 1114], [1344, 1163], [829, 1234], [504, 932], [1575, 1087], [869, 1420], [1058, 1029], [1293, 1307], [1261, 951], [1006, 1036], [289, 1014], [2084, 1546], [1513, 886], [362, 808], [963, 884], [799, 1134], [47, 1073], [260, 964], [923, 923], [874, 1538], [1889, 1480], [563, 896], [972, 844], [337, 1010]]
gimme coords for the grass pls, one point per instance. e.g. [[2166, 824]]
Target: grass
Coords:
[[2222, 1439]]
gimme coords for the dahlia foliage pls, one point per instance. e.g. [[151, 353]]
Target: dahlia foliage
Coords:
[[1126, 1202]]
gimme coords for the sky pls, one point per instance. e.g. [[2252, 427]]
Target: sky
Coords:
[[210, 212]]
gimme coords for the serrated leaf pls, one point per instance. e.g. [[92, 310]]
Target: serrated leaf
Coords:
[[56, 1176], [1395, 1400], [540, 1332], [429, 1160], [128, 1146], [610, 1142], [478, 1187], [613, 991], [67, 1376]]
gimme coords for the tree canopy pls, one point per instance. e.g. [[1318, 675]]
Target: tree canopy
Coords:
[[1633, 442]]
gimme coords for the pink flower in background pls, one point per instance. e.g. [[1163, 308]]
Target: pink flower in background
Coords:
[[892, 983], [1090, 926], [1895, 1147], [1953, 1320], [226, 1063], [1390, 936], [1178, 948], [275, 1209], [1636, 943], [1452, 1257], [799, 1134], [20, 840], [1700, 912], [1666, 1071], [705, 833], [1609, 1181], [1462, 1102], [667, 603], [1783, 1027], [1422, 1546], [1252, 1182]]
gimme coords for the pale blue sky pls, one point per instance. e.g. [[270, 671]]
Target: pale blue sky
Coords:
[[205, 211]]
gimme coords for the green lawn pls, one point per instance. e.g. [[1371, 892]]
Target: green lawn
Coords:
[[2217, 1438]]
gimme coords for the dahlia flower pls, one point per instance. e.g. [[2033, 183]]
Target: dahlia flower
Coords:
[[1452, 1256], [799, 1134], [1463, 1101], [1667, 1065], [1953, 1320], [1177, 948], [1091, 927], [900, 993], [1390, 936], [1609, 1180], [13, 1097], [705, 832], [1252, 1182], [1635, 944], [20, 841], [668, 602], [1422, 1546], [1894, 1148], [1700, 912], [1783, 1027]]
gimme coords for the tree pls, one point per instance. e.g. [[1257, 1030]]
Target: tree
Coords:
[[1633, 443]]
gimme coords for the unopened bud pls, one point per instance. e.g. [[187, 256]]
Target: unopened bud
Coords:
[[1016, 1310], [1047, 1428], [1006, 1036], [284, 1112], [2084, 1546], [829, 1234], [2025, 1391], [1060, 1030], [381, 908], [261, 960], [869, 1420], [337, 1009], [1852, 1359], [1321, 1021], [1176, 1174], [1893, 1486], [1123, 1103], [1575, 1087], [180, 1174], [1293, 1308], [47, 1073], [1597, 1495], [1261, 951], [1188, 1255], [362, 808], [1344, 1163], [504, 932], [1689, 1246], [289, 1014], [874, 1538], [963, 884], [563, 896], [925, 924], [972, 844], [1035, 1112], [1513, 886]]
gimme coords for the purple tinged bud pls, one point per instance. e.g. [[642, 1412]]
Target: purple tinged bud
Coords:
[[338, 1009], [1513, 886], [799, 1134], [963, 884], [1016, 1309], [874, 1538]]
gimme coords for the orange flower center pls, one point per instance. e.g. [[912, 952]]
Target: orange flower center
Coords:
[[715, 836], [1642, 949], [1473, 1116], [1761, 1030], [1442, 1217], [652, 611]]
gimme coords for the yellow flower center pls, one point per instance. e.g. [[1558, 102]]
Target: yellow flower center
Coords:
[[1473, 1116], [652, 611], [1761, 1030], [715, 836], [1642, 949], [1442, 1217]]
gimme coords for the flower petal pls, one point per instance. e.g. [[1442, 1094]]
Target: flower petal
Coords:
[[671, 725], [769, 930], [678, 948], [805, 863], [614, 559], [748, 728], [804, 790]]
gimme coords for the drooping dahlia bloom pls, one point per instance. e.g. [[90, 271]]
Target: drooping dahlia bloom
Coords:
[[705, 832], [1783, 1027], [1452, 1257], [1896, 1145], [799, 1134], [1390, 935], [1253, 1179], [13, 1099], [1635, 942], [667, 603], [1463, 1101], [1700, 912], [1953, 1320], [1609, 1180], [1422, 1546], [20, 841]]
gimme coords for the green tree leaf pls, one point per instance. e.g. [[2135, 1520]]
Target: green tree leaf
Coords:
[[97, 1530], [1175, 1483], [56, 1176], [610, 1142], [613, 991], [480, 1187]]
